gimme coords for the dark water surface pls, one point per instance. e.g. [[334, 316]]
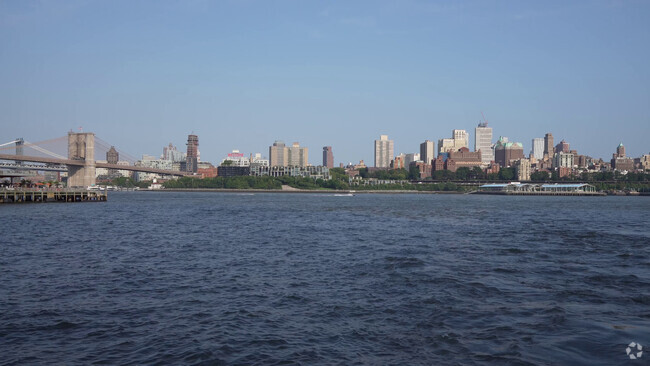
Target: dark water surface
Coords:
[[210, 278]]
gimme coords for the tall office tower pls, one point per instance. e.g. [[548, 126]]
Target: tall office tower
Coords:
[[461, 139], [297, 156], [328, 157], [506, 152], [483, 142], [563, 146], [620, 150], [538, 148], [548, 145], [427, 153], [278, 154], [384, 152], [410, 158], [192, 153], [112, 156]]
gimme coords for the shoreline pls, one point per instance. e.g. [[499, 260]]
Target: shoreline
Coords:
[[317, 191], [298, 191]]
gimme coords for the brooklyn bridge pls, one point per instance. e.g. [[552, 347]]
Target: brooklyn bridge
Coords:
[[79, 161]]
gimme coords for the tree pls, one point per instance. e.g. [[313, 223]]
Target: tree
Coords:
[[477, 173], [507, 174], [226, 163], [414, 172], [462, 173], [539, 176]]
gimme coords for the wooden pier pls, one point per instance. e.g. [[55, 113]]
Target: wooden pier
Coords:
[[35, 195]]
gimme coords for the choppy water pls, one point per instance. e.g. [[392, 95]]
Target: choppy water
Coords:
[[207, 278]]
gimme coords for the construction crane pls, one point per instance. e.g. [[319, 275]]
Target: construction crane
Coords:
[[484, 119]]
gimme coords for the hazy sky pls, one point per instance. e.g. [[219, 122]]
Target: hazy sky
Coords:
[[241, 74]]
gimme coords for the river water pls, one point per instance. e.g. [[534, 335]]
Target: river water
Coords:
[[270, 278]]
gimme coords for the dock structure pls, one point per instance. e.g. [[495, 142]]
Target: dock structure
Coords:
[[531, 189], [36, 195]]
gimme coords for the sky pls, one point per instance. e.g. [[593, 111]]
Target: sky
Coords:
[[242, 74]]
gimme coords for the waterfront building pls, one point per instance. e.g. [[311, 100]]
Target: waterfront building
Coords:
[[506, 152], [548, 145], [427, 151], [209, 172], [278, 154], [538, 148], [539, 189], [233, 171], [328, 157], [384, 152], [522, 169], [316, 172], [483, 142], [192, 158]]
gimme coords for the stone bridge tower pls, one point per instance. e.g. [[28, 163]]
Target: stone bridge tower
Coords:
[[81, 146]]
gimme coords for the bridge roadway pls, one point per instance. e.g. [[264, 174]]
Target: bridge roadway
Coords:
[[134, 168]]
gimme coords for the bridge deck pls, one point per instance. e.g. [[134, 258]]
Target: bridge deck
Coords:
[[134, 168]]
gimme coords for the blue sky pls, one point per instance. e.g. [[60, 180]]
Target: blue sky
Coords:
[[242, 74]]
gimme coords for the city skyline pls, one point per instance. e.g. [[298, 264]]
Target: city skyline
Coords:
[[242, 75]]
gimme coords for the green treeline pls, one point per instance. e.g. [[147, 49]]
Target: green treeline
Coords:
[[242, 182], [339, 180]]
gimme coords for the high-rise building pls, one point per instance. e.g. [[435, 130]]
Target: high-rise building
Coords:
[[112, 156], [328, 157], [410, 158], [522, 169], [548, 145], [620, 161], [171, 153], [563, 146], [384, 152], [278, 154], [507, 152], [563, 160], [192, 153], [446, 145], [538, 148], [298, 156], [427, 153], [459, 138], [620, 150], [483, 142]]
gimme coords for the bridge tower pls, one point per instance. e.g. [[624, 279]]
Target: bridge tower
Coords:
[[81, 146]]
